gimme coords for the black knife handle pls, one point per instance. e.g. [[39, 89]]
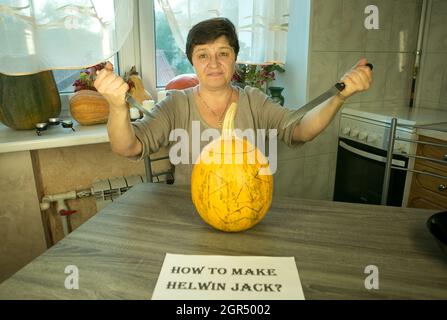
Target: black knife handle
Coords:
[[341, 85]]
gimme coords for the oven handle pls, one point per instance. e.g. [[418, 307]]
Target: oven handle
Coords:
[[371, 156]]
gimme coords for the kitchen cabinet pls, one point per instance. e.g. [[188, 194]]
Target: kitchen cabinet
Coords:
[[429, 191]]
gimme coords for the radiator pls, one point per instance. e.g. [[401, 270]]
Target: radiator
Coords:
[[108, 190]]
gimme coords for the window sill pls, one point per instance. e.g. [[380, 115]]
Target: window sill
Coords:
[[57, 137]]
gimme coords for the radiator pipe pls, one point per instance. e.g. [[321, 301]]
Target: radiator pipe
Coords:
[[61, 205]]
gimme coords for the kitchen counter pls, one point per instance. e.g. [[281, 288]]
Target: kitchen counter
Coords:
[[431, 123], [55, 137], [437, 131], [407, 116], [120, 251]]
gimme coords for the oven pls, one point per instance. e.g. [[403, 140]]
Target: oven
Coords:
[[361, 162]]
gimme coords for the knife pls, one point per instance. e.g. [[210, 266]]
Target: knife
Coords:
[[130, 100], [338, 87]]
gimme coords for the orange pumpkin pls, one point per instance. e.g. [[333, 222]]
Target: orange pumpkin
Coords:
[[231, 183], [183, 81], [89, 107]]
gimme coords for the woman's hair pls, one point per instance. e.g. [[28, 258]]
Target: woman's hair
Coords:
[[209, 30]]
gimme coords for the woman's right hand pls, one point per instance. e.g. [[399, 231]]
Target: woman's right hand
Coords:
[[112, 87]]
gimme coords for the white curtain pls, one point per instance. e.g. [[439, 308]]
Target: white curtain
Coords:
[[262, 24], [37, 35]]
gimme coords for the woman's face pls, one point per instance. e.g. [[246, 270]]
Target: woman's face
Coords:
[[214, 63]]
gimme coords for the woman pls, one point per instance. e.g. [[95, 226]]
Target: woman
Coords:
[[212, 48]]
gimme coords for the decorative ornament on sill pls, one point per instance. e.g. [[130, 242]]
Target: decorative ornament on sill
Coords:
[[52, 122]]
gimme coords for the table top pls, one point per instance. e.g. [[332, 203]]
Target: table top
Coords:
[[119, 252]]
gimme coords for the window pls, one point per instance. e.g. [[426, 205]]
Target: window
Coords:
[[170, 60], [42, 35], [262, 29], [65, 78]]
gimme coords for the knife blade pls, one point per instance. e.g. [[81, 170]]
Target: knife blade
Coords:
[[134, 103], [296, 115]]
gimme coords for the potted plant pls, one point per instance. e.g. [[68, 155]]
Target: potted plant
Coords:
[[258, 76]]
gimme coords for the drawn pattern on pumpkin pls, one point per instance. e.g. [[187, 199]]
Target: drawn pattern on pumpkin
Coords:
[[231, 196], [231, 201]]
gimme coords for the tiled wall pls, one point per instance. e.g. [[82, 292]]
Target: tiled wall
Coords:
[[338, 39], [432, 91]]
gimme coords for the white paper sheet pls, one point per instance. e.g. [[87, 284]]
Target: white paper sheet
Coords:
[[187, 277]]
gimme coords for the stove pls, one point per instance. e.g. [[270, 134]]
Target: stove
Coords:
[[374, 130], [363, 141]]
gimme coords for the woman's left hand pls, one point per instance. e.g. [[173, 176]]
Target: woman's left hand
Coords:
[[358, 79]]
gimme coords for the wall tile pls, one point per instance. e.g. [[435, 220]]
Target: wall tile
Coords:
[[405, 27], [316, 182], [287, 153], [352, 105], [326, 142], [288, 180], [429, 105], [399, 74], [437, 39], [432, 76], [353, 36], [377, 90], [396, 103], [326, 31], [379, 40], [323, 72], [371, 105]]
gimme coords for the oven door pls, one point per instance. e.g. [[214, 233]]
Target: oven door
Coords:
[[360, 173]]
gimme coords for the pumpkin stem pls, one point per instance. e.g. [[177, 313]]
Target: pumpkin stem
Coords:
[[228, 124]]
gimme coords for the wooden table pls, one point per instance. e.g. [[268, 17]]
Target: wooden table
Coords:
[[120, 251]]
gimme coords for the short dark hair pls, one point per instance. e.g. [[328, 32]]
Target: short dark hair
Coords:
[[209, 30]]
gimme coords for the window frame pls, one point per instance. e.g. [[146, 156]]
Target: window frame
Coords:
[[147, 50]]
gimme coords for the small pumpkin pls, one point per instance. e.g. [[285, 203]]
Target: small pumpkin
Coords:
[[183, 81], [28, 100], [89, 107], [231, 183]]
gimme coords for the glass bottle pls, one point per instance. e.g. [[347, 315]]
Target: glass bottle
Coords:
[[276, 94]]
